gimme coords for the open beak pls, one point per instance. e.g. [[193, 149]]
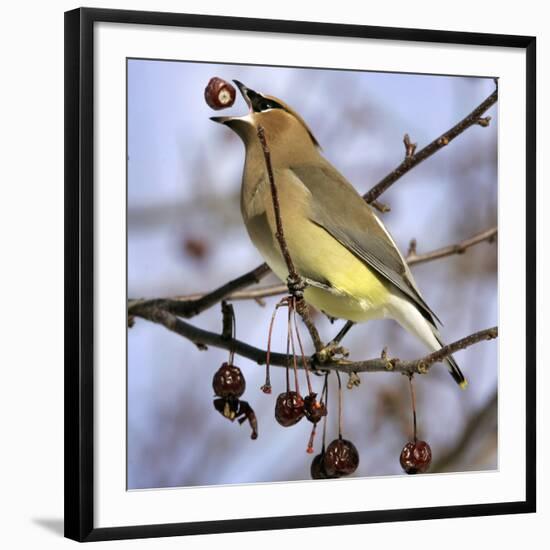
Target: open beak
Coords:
[[222, 119], [245, 93]]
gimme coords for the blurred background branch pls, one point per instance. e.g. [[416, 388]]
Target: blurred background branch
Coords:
[[477, 423]]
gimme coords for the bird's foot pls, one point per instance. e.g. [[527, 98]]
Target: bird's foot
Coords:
[[333, 350], [296, 286]]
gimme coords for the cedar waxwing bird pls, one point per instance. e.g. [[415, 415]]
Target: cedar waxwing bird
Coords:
[[351, 264]]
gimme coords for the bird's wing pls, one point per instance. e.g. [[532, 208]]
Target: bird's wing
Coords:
[[349, 219]]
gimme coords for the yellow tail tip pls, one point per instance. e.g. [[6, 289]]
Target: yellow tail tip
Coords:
[[464, 384]]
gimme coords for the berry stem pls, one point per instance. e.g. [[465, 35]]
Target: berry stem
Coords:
[[325, 393], [292, 344], [287, 361], [233, 335], [309, 449], [266, 388], [229, 328], [339, 405], [413, 403], [300, 345]]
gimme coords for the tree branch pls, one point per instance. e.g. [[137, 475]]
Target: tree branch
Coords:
[[187, 307], [203, 338], [410, 161], [459, 248]]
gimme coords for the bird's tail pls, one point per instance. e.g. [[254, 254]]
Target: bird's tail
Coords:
[[452, 367], [412, 320]]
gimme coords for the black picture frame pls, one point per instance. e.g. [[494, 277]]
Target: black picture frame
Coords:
[[79, 273]]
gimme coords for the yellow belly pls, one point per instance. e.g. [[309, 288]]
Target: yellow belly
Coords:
[[343, 306], [359, 293]]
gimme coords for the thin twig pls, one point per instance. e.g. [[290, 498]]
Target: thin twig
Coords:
[[380, 206], [474, 118], [279, 234], [414, 258], [295, 283], [410, 147], [303, 310]]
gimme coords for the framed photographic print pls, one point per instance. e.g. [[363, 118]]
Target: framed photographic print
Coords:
[[300, 274]]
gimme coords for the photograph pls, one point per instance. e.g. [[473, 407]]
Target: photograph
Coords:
[[292, 266], [312, 274]]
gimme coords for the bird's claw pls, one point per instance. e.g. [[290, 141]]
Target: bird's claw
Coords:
[[296, 286], [333, 350]]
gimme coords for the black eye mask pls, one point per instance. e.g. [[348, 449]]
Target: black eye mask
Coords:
[[261, 103]]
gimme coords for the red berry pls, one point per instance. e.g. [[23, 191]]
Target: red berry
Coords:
[[289, 408], [317, 469], [416, 457], [341, 458], [313, 409], [228, 381], [219, 94]]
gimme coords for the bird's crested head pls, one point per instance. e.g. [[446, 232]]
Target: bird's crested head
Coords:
[[283, 126]]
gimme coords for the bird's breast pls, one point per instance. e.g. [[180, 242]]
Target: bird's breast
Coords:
[[357, 292]]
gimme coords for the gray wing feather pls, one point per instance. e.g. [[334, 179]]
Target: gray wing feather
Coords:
[[350, 220]]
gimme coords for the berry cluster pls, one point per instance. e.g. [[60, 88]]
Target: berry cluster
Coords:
[[340, 457], [290, 406]]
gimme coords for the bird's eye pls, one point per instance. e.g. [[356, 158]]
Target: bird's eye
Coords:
[[260, 103]]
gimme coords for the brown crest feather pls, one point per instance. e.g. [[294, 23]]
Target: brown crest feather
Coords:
[[291, 111]]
